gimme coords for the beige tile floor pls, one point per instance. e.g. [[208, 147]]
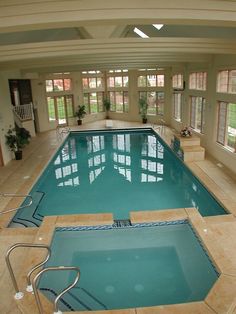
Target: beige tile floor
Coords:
[[218, 233]]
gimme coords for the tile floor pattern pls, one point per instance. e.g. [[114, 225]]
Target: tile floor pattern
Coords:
[[220, 238]]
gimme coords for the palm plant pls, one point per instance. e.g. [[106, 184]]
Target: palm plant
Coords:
[[143, 106]]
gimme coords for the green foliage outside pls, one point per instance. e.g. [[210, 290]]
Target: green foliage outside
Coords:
[[232, 115]]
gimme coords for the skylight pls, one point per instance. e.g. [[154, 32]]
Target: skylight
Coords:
[[140, 33], [158, 26]]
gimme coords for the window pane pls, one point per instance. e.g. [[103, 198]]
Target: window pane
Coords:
[[118, 81], [222, 114], [51, 109], [222, 82], [151, 100], [99, 82], [58, 85], [177, 81], [143, 95], [125, 81], [112, 100], [231, 130], [49, 86], [61, 112], [86, 102], [160, 80], [151, 80], [69, 106], [177, 102], [160, 103], [192, 81], [232, 81], [119, 101], [111, 82], [92, 82], [100, 102], [67, 84], [85, 82], [197, 113], [142, 81], [126, 101], [198, 80], [93, 102]]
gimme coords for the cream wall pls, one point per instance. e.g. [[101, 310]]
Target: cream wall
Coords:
[[6, 115]]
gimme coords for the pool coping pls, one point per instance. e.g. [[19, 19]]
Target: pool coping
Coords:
[[220, 299]]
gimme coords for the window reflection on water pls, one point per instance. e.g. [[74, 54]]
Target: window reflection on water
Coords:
[[116, 152]]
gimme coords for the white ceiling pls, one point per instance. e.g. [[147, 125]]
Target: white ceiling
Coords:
[[50, 35]]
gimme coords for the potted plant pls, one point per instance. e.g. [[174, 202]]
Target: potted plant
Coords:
[[186, 132], [143, 109], [80, 113], [107, 106], [16, 139]]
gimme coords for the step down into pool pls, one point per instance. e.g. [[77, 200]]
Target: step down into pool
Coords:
[[77, 298], [121, 223], [31, 217]]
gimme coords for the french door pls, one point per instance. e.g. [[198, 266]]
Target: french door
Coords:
[[60, 109]]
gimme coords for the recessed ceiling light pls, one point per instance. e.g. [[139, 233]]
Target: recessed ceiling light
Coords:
[[158, 26], [140, 33]]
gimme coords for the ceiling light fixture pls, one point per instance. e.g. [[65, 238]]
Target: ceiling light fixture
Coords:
[[140, 33], [158, 26]]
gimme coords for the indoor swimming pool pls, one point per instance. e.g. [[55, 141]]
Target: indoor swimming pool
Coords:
[[152, 264], [115, 172]]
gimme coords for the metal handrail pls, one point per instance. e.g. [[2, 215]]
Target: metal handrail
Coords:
[[19, 294], [16, 195], [55, 268]]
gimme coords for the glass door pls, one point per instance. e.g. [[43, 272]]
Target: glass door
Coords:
[[61, 110]]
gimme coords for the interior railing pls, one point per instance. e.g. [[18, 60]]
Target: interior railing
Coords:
[[24, 112], [16, 195], [56, 268], [19, 294]]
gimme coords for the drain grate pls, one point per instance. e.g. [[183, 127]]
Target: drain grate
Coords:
[[121, 223]]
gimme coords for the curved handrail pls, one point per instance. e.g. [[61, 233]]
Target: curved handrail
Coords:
[[54, 268], [20, 294], [16, 195]]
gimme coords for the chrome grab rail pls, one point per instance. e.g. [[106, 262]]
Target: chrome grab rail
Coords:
[[55, 268], [16, 195], [19, 294]]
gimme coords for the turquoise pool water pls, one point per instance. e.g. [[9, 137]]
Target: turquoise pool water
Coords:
[[118, 172], [129, 267]]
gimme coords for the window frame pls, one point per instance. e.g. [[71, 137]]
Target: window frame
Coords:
[[225, 126], [200, 78], [88, 90], [123, 89], [229, 86], [174, 106], [203, 108]]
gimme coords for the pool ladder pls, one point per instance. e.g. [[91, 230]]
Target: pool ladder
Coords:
[[16, 195], [32, 287]]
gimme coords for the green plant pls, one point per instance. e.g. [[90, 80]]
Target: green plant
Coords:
[[17, 138], [143, 106], [80, 112], [107, 105]]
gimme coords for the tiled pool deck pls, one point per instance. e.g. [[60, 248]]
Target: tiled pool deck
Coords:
[[218, 233]]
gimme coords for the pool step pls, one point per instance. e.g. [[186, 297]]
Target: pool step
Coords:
[[28, 217], [120, 223], [77, 298]]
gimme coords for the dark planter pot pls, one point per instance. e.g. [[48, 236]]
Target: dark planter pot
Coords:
[[144, 120], [18, 155], [79, 122]]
